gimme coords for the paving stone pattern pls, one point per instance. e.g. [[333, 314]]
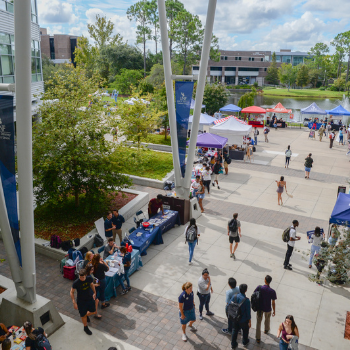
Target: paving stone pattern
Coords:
[[142, 319]]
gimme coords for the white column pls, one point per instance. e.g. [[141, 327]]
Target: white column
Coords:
[[22, 10]]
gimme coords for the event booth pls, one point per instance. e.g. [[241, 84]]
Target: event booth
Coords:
[[231, 108], [341, 211], [210, 141], [315, 110], [204, 121], [338, 113], [279, 108], [259, 121]]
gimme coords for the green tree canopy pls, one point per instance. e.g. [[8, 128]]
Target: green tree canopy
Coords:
[[85, 56], [215, 96], [156, 76], [303, 76], [288, 74], [272, 71], [70, 152], [127, 80]]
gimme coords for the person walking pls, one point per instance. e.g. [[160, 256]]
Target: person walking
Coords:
[[191, 233], [203, 293], [280, 185], [216, 170], [320, 132], [245, 321], [288, 154], [227, 161], [256, 133], [290, 245], [86, 295], [267, 299], [117, 221], [229, 295], [234, 233], [316, 239], [331, 138], [266, 131], [198, 191], [308, 165], [206, 175], [127, 263], [286, 332], [341, 136], [187, 312]]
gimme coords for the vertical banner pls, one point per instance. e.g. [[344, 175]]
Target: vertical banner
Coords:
[[183, 96], [7, 166]]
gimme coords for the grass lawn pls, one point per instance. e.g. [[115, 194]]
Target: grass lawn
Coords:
[[315, 93], [158, 139], [111, 99]]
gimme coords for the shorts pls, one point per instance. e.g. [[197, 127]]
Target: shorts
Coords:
[[236, 239], [85, 306], [200, 196], [225, 165], [307, 169], [190, 315], [216, 177]]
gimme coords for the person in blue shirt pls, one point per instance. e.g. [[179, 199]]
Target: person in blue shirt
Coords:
[[117, 221], [245, 322], [229, 295], [127, 264], [109, 225], [341, 137]]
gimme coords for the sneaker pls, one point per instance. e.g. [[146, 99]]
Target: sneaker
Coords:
[[200, 316], [265, 332], [290, 265], [234, 256], [288, 268], [190, 263], [231, 255], [225, 331], [193, 328], [209, 313], [87, 330], [105, 305], [88, 318], [218, 187], [213, 184], [124, 291], [184, 337], [128, 289]]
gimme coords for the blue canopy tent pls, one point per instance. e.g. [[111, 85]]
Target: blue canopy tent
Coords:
[[341, 211], [340, 110], [230, 108], [313, 109]]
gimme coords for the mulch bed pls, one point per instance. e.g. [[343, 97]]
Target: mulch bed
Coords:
[[2, 290], [347, 326]]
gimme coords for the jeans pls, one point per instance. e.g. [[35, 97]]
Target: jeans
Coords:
[[287, 160], [206, 183], [191, 246], [120, 279], [256, 139], [288, 255], [283, 345], [245, 330], [204, 300], [314, 249], [100, 290], [259, 317]]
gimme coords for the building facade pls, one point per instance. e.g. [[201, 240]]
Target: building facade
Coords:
[[247, 67], [7, 48], [58, 47]]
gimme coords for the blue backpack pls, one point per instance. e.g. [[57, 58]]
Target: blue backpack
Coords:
[[77, 256], [70, 253], [42, 343]]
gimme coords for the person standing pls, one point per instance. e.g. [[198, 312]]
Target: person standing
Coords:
[[341, 136], [109, 227], [234, 233], [335, 235], [256, 133], [216, 170], [316, 239], [267, 298], [308, 165], [229, 295], [226, 161], [290, 245], [198, 191], [127, 264], [245, 321], [191, 233], [280, 185], [203, 292], [117, 221], [187, 311], [286, 331], [320, 132], [86, 295], [206, 175], [4, 333], [331, 138], [154, 205], [32, 334], [266, 131], [288, 154]]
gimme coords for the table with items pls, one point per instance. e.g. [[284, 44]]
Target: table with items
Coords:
[[116, 268], [17, 342], [142, 237]]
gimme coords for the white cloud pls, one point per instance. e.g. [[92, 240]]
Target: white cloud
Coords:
[[54, 30], [55, 11], [335, 8], [92, 13]]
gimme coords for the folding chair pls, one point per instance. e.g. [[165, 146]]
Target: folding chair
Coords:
[[139, 220]]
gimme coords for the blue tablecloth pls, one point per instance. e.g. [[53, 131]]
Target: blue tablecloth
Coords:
[[318, 125], [153, 235], [112, 282]]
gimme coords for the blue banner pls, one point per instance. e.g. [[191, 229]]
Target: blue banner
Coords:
[[7, 166], [183, 96]]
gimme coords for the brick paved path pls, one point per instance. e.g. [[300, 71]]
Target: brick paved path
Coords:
[[138, 318]]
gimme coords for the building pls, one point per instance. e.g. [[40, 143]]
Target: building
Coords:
[[58, 47], [247, 67], [7, 49]]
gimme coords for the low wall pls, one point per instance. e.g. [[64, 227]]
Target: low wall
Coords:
[[153, 146], [145, 181]]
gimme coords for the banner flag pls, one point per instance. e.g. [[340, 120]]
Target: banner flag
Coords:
[[183, 96], [7, 166]]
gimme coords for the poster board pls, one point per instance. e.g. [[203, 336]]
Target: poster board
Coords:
[[312, 134]]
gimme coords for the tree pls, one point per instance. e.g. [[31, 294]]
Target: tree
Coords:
[[70, 152], [339, 44], [288, 74], [156, 76], [49, 68], [101, 31], [127, 80], [215, 96], [247, 99], [303, 76], [140, 12], [344, 39], [272, 71], [161, 105], [173, 7], [153, 18], [85, 56]]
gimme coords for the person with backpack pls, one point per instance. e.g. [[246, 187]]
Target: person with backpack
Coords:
[[261, 300], [191, 234], [256, 133], [229, 294], [234, 232], [288, 333], [203, 293], [291, 243], [36, 338], [227, 161], [331, 138], [316, 240], [239, 316], [308, 165], [216, 170], [266, 131], [288, 154]]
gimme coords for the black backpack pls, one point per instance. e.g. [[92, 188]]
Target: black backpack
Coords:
[[286, 235], [98, 240], [228, 160], [233, 225], [77, 242], [234, 310], [83, 251], [42, 343], [257, 132], [255, 300], [66, 245], [191, 234]]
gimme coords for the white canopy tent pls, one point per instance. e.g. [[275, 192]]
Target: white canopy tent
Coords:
[[232, 128], [204, 122]]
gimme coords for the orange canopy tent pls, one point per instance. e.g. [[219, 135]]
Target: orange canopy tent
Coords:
[[278, 109], [253, 109]]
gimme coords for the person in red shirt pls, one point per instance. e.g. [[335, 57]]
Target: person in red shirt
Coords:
[[155, 204]]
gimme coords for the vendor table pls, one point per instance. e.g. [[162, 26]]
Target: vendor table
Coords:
[[154, 234], [20, 333], [238, 155], [256, 124], [112, 280], [318, 125]]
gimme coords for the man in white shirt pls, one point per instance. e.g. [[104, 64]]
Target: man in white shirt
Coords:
[[290, 245]]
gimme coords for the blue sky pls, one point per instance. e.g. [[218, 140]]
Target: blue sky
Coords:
[[239, 24]]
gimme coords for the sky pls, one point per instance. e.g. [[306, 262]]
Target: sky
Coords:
[[268, 25]]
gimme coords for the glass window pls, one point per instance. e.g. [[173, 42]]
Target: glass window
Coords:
[[0, 80], [2, 5], [33, 66], [9, 7], [33, 48], [195, 68], [286, 59], [261, 59], [33, 7], [230, 69], [38, 65], [6, 64], [34, 78], [5, 49], [278, 58], [9, 80], [38, 77], [4, 38], [297, 60]]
